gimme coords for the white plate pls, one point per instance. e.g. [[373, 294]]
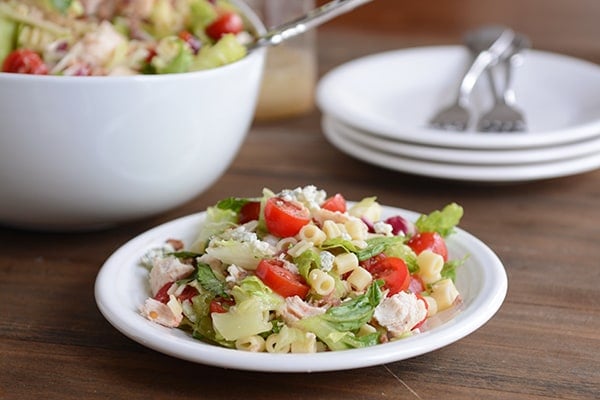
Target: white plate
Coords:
[[121, 288], [394, 94], [467, 156], [461, 172]]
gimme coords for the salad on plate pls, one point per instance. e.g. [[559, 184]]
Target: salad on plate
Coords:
[[119, 37], [301, 272]]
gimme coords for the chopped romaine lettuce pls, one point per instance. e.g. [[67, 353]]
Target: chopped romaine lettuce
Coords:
[[216, 221], [226, 51], [367, 208], [307, 261], [173, 55], [207, 279], [234, 204], [442, 222], [337, 327], [8, 31], [254, 301], [246, 254]]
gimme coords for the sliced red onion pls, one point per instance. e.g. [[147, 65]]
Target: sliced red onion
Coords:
[[369, 224], [401, 226]]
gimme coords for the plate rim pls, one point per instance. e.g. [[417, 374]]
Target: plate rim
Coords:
[[453, 155], [462, 172], [179, 344], [327, 104]]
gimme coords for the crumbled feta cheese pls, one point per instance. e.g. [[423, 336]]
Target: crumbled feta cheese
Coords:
[[327, 260], [148, 258], [243, 235], [235, 274], [400, 313], [309, 195], [383, 228]]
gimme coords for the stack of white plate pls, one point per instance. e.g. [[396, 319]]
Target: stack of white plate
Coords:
[[376, 109]]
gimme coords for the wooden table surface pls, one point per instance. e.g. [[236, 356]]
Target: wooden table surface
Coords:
[[544, 343]]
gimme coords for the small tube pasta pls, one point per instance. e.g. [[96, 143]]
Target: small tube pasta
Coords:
[[313, 234], [345, 262], [299, 248], [430, 266], [331, 229], [308, 344], [254, 343], [285, 244], [357, 229], [273, 344], [360, 279], [321, 282], [291, 340], [444, 293]]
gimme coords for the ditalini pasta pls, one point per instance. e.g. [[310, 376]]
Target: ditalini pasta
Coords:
[[305, 273]]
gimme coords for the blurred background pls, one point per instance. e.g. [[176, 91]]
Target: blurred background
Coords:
[[429, 22]]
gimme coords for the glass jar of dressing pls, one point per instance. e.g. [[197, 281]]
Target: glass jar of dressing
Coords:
[[290, 75]]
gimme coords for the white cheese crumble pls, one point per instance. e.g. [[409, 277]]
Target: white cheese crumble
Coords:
[[327, 260], [309, 195], [383, 228]]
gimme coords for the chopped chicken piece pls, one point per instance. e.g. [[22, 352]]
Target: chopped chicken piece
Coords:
[[165, 270], [296, 309], [400, 313], [161, 313]]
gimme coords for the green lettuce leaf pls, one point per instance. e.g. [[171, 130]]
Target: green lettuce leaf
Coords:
[[442, 222], [337, 327]]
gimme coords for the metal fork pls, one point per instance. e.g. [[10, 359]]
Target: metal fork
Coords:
[[504, 116], [457, 116]]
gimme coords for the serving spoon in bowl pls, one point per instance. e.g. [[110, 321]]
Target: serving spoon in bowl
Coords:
[[310, 20]]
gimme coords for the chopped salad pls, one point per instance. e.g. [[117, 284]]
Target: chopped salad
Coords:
[[299, 272], [119, 37]]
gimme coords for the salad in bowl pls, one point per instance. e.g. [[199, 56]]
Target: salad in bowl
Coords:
[[119, 37], [299, 271]]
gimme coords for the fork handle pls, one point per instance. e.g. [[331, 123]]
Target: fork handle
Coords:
[[484, 59]]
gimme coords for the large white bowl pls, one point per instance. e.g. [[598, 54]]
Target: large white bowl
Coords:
[[81, 152]]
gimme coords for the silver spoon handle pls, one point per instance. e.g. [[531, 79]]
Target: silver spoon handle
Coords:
[[312, 19]]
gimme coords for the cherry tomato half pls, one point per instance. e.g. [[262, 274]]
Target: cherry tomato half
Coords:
[[285, 218], [220, 305], [187, 294], [335, 203], [281, 280], [249, 212], [392, 270], [24, 61], [429, 240], [162, 294], [228, 22]]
